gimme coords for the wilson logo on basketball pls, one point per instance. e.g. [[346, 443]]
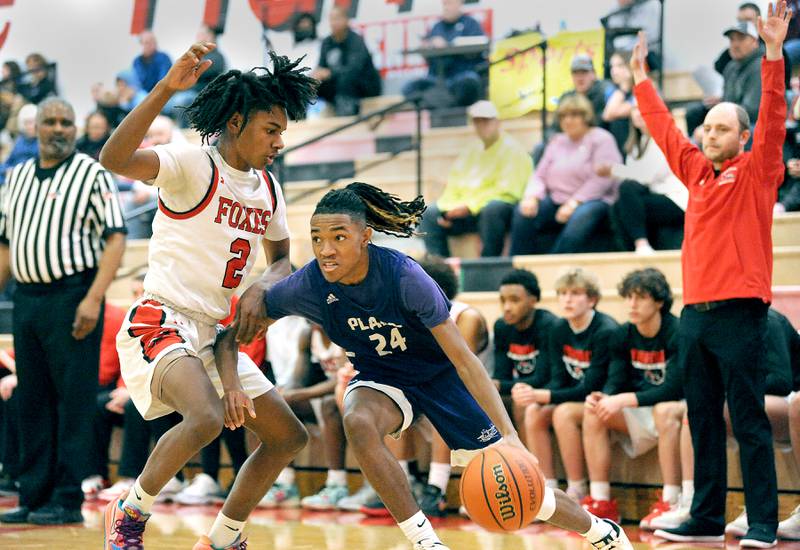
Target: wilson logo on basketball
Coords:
[[501, 494]]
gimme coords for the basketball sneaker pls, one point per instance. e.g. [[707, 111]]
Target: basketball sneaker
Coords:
[[673, 518], [124, 526], [738, 527], [426, 544], [327, 499], [693, 531], [758, 537], [122, 486], [604, 509], [281, 496], [790, 527], [91, 486], [354, 502], [616, 539], [375, 508], [205, 544], [203, 490], [170, 490], [433, 502], [659, 508]]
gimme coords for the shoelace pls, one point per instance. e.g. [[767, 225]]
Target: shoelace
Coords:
[[131, 532]]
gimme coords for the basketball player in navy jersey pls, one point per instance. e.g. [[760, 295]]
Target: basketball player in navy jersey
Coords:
[[394, 322]]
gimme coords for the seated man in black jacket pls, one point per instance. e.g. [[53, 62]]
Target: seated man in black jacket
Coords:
[[345, 67]]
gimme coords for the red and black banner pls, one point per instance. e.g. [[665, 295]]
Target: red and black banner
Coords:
[[278, 15], [143, 13], [215, 15]]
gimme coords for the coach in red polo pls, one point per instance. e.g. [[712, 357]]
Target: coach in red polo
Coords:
[[727, 273]]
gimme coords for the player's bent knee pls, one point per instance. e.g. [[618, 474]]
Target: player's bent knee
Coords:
[[359, 427], [206, 425], [295, 440]]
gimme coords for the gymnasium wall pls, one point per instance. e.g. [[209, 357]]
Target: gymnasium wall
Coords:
[[91, 41]]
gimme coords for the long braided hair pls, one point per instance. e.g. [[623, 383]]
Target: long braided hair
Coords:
[[256, 90], [380, 210]]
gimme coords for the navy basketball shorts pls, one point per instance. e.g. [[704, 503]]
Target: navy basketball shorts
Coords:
[[448, 405]]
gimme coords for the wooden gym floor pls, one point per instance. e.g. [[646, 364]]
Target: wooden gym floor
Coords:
[[177, 528]]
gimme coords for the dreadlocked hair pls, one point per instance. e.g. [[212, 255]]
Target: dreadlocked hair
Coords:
[[380, 210], [244, 92]]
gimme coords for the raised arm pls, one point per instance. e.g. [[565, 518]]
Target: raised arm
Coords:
[[121, 153], [770, 129]]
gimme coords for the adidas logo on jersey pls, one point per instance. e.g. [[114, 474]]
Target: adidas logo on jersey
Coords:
[[331, 299]]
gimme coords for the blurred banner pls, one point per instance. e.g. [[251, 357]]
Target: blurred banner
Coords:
[[515, 85]]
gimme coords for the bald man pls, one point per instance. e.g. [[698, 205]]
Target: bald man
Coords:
[[727, 274]]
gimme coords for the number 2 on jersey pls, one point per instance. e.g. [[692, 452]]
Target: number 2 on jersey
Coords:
[[396, 341], [233, 269]]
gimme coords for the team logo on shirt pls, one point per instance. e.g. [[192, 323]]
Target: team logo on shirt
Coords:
[[576, 361], [728, 176], [653, 364], [252, 220], [524, 357]]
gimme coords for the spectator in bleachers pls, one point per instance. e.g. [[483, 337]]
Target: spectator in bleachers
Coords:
[[651, 199], [742, 76], [95, 134], [643, 371], [483, 185], [782, 375], [521, 344], [565, 196], [151, 65], [27, 144], [305, 40], [10, 74], [790, 527], [38, 82], [472, 326], [346, 72], [117, 103], [586, 83], [458, 72], [792, 44], [579, 357], [636, 14], [617, 112], [789, 192]]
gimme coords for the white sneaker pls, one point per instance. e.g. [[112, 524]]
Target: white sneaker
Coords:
[[671, 519], [170, 490], [425, 545], [116, 490], [201, 491], [326, 499], [790, 527], [354, 502], [91, 486], [615, 540], [281, 496], [739, 526]]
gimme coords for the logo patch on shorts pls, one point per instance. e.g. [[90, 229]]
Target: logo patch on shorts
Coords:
[[488, 434]]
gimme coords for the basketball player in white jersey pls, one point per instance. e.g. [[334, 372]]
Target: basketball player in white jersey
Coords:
[[217, 205]]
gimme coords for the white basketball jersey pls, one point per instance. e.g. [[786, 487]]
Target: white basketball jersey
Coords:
[[208, 229]]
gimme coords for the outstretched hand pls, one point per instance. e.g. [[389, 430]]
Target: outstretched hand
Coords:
[[773, 30], [187, 68], [639, 59]]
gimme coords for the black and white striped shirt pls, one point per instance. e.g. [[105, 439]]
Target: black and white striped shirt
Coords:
[[54, 221]]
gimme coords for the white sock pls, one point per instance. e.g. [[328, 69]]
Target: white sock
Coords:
[[598, 530], [671, 493], [139, 499], [552, 483], [600, 490], [286, 477], [439, 475], [336, 478], [225, 530], [577, 485], [404, 466], [687, 492], [417, 528]]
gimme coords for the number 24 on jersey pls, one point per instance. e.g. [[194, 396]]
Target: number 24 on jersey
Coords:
[[396, 341]]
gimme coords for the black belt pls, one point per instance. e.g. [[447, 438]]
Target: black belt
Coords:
[[708, 306]]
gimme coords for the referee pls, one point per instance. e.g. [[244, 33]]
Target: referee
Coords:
[[727, 277], [62, 237]]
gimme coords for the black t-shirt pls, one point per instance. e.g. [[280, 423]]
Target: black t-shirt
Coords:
[[579, 361], [523, 355], [783, 355], [649, 367]]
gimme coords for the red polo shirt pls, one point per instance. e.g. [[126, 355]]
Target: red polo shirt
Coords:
[[727, 246]]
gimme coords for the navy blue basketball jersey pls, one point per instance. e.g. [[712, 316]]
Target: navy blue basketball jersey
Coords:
[[383, 322]]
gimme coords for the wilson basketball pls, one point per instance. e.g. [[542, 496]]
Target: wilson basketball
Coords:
[[502, 489]]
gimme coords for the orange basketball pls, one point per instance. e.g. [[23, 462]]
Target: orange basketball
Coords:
[[502, 488]]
